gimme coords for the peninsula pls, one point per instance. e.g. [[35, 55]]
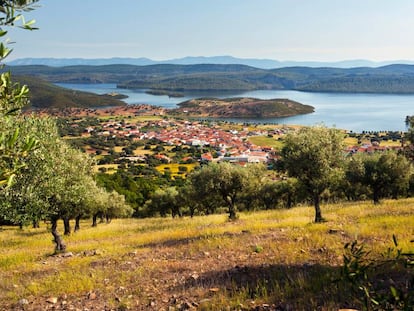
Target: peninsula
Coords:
[[241, 107]]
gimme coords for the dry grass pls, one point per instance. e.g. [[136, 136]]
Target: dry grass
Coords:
[[274, 257]]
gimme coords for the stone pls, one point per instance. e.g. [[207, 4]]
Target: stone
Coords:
[[23, 302], [98, 252], [52, 300], [91, 296]]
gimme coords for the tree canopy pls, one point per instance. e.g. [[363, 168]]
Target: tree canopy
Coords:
[[314, 155]]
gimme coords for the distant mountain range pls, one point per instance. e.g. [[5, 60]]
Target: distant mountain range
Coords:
[[190, 60]]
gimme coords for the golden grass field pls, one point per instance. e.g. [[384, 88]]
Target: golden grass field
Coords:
[[277, 257]]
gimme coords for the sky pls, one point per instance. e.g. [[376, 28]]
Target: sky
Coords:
[[298, 30]]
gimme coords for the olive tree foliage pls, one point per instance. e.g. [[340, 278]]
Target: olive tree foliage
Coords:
[[199, 192], [14, 147], [24, 201], [314, 156], [163, 202], [250, 197], [278, 194], [382, 174]]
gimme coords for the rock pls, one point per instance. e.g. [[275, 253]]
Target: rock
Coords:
[[98, 252], [91, 296], [23, 302], [52, 300], [67, 255]]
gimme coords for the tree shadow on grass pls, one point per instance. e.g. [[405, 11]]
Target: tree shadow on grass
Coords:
[[32, 233], [283, 287], [187, 241]]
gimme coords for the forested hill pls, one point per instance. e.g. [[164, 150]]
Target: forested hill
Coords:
[[46, 95], [215, 77]]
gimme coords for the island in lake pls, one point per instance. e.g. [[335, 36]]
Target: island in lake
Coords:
[[241, 107]]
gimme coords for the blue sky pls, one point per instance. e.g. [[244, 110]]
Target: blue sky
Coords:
[[303, 30]]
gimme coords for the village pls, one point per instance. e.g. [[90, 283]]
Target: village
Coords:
[[217, 139], [231, 145]]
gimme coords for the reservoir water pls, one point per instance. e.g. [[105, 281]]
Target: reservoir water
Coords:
[[354, 112]]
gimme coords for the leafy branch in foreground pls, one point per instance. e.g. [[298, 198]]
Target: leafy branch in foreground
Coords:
[[13, 147], [385, 283]]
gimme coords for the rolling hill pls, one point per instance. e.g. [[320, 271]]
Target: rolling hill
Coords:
[[46, 95], [397, 79]]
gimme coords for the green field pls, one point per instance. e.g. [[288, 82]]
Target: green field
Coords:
[[267, 141], [277, 257]]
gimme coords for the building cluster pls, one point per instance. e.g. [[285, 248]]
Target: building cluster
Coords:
[[230, 145]]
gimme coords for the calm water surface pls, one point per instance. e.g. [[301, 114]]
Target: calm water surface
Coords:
[[355, 112]]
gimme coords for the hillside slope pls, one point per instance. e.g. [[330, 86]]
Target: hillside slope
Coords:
[[46, 95], [268, 260]]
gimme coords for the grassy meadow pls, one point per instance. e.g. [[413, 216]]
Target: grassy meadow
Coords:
[[267, 258]]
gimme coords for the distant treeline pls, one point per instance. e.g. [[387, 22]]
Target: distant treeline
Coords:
[[215, 77]]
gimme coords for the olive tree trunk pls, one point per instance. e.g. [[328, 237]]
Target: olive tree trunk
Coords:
[[66, 223], [77, 223], [60, 245], [318, 212]]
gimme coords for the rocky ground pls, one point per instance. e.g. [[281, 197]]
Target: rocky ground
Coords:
[[174, 276]]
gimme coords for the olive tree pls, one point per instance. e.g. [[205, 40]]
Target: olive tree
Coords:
[[223, 180], [314, 155], [164, 201], [384, 174]]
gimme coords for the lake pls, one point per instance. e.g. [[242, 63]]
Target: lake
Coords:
[[354, 112]]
